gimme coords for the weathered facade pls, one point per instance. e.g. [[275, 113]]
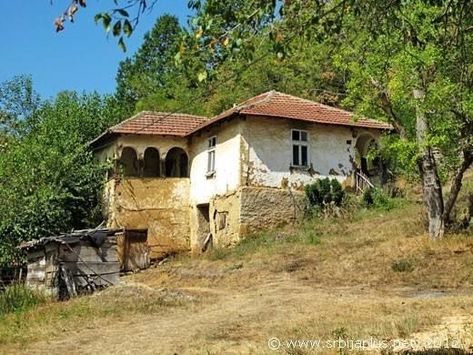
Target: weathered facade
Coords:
[[191, 182], [71, 264], [84, 261]]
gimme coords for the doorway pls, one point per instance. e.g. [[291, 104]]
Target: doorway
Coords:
[[203, 227]]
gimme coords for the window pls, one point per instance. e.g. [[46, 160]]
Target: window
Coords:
[[211, 155], [300, 148]]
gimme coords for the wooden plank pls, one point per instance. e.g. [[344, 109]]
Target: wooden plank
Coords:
[[89, 253], [103, 280], [92, 269], [133, 250]]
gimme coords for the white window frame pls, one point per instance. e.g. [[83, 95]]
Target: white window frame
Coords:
[[211, 153], [300, 143]]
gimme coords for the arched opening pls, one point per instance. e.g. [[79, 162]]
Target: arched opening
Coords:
[[367, 160], [176, 163], [129, 162], [151, 163]]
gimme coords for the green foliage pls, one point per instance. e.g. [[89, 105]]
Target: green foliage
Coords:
[[324, 192], [18, 101], [403, 265], [152, 68], [375, 197], [19, 298], [49, 180], [310, 237]]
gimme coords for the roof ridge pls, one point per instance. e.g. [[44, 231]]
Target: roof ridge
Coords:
[[172, 114], [333, 108], [142, 113], [263, 96]]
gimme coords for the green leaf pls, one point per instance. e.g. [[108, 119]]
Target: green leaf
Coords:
[[117, 28], [121, 44], [127, 28], [98, 17], [106, 21], [202, 76], [122, 12]]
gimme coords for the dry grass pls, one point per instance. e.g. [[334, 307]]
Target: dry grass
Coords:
[[372, 274]]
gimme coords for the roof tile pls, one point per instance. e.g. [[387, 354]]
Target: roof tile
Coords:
[[158, 123], [276, 104], [270, 104]]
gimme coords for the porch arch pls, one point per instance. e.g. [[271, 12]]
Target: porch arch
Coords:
[[176, 163], [365, 143], [129, 164], [151, 163]]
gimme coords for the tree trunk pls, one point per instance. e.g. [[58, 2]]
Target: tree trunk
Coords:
[[431, 186], [457, 184]]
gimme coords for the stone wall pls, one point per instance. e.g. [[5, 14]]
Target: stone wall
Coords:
[[265, 208], [225, 219], [250, 210], [160, 205]]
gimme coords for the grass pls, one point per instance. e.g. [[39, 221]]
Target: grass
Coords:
[[403, 265], [19, 298], [371, 273], [33, 324]]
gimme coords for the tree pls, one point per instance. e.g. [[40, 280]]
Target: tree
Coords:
[[153, 64], [49, 180], [116, 21], [411, 64], [18, 104]]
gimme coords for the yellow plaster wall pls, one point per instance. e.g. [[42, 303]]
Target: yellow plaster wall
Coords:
[[225, 219], [160, 205]]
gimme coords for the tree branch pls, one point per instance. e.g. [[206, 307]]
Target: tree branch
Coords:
[[457, 183], [387, 107]]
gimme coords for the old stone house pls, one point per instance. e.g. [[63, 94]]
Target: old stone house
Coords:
[[190, 180]]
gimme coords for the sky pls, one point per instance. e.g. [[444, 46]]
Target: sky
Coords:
[[81, 57]]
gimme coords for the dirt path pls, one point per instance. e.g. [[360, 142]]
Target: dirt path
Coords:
[[242, 321], [222, 322]]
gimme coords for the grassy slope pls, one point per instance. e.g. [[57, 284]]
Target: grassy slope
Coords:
[[372, 274]]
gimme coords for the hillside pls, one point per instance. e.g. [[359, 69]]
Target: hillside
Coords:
[[372, 275]]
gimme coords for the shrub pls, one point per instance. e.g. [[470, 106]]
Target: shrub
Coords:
[[18, 297], [403, 265], [324, 192], [377, 198]]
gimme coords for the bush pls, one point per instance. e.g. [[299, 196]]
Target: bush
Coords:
[[377, 198], [403, 265], [324, 192], [19, 297]]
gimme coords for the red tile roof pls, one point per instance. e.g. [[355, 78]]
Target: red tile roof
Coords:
[[270, 104], [276, 104], [159, 123], [155, 123]]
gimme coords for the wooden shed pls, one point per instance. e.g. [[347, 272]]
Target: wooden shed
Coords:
[[133, 249], [83, 261]]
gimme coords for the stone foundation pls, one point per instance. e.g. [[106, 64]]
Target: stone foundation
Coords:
[[268, 208], [247, 211]]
